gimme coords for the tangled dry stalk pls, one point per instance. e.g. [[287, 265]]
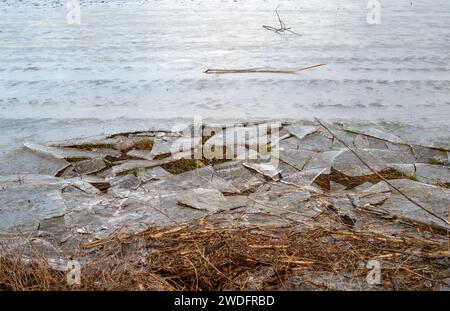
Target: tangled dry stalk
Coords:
[[200, 256]]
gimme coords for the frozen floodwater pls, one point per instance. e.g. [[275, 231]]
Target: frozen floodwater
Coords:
[[145, 60]]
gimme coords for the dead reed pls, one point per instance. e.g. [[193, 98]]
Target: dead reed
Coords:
[[199, 256]]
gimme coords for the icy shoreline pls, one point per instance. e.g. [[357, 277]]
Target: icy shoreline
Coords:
[[84, 197], [132, 164]]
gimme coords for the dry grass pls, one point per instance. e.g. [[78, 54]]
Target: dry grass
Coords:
[[182, 165], [202, 257], [144, 144], [99, 275], [351, 182]]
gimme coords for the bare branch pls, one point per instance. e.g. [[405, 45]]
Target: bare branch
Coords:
[[260, 70], [282, 29]]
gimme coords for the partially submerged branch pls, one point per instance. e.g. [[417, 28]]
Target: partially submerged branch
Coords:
[[260, 70]]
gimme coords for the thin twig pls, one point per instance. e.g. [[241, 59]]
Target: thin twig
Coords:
[[381, 176], [282, 28]]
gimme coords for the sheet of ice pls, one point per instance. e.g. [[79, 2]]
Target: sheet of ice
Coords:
[[145, 59]]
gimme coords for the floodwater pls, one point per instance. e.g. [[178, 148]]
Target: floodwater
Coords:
[[138, 64]]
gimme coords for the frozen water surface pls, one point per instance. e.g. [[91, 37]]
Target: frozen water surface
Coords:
[[144, 60]]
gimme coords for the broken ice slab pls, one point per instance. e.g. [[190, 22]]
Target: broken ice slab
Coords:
[[250, 155], [29, 248], [373, 195], [107, 152], [130, 165], [129, 182], [319, 280], [291, 143], [162, 147], [62, 153], [347, 163], [105, 215], [344, 209], [267, 169], [287, 169], [301, 131], [348, 138], [286, 205], [133, 216], [222, 185], [304, 178], [80, 184], [204, 177], [433, 198], [173, 145], [363, 187], [96, 181], [27, 199], [53, 227], [211, 200], [408, 170], [430, 155], [122, 186], [324, 160], [109, 213], [317, 141], [89, 221], [239, 176], [336, 187], [289, 198], [123, 141], [373, 131], [154, 173], [139, 143], [143, 154], [100, 141], [89, 166], [393, 146], [157, 172], [233, 140], [27, 162], [341, 137], [427, 135], [296, 158], [361, 142], [262, 144], [432, 174]]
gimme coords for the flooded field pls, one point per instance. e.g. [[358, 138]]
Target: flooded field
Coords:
[[146, 59]]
